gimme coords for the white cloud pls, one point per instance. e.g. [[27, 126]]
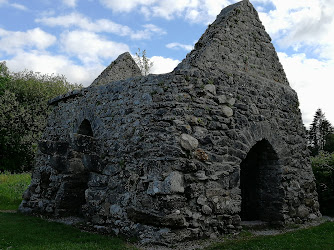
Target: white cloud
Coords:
[[186, 47], [70, 3], [55, 64], [312, 79], [101, 25], [90, 47], [125, 6], [163, 65], [304, 23], [148, 32], [14, 5], [18, 6], [13, 41], [195, 11], [82, 22]]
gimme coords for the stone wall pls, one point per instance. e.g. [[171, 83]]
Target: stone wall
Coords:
[[171, 157]]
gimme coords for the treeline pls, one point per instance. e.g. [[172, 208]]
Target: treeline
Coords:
[[321, 144], [23, 114]]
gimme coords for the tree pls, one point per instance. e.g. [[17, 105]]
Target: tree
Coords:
[[143, 62], [23, 114], [329, 146], [4, 77], [319, 130], [323, 169]]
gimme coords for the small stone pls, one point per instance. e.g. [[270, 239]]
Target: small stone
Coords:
[[206, 209], [312, 217], [201, 175], [200, 132], [231, 101], [201, 200], [213, 236], [222, 99], [173, 183], [228, 112], [215, 199], [116, 211], [188, 142], [302, 211], [210, 88]]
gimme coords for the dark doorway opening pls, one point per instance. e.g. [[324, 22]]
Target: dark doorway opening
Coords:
[[85, 128], [79, 160], [260, 184]]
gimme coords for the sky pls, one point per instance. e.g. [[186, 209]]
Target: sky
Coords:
[[79, 38]]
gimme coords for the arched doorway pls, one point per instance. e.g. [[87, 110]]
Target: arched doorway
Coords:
[[85, 128], [78, 160], [260, 178]]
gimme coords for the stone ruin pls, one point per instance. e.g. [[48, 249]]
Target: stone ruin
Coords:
[[183, 155]]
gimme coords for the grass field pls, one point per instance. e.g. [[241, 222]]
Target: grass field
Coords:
[[18, 231], [12, 187], [319, 237]]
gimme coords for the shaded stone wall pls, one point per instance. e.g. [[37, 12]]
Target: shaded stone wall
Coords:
[[162, 161]]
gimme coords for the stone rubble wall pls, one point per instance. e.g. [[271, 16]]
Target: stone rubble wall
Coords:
[[163, 163], [123, 67]]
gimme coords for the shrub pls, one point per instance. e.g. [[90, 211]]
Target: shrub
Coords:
[[23, 114], [323, 169]]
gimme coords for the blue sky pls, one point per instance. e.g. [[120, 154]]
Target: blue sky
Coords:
[[79, 38]]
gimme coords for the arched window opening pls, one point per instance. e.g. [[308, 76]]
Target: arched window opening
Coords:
[[260, 184], [85, 128]]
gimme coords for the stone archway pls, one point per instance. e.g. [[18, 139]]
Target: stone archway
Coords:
[[79, 160], [85, 128], [260, 182]]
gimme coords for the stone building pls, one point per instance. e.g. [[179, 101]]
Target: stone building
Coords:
[[182, 155]]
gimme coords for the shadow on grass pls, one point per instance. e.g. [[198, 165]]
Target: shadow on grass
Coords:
[[319, 237], [19, 231]]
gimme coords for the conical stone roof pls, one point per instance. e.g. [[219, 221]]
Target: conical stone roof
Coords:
[[122, 68], [236, 42]]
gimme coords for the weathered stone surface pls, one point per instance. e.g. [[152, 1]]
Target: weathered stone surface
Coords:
[[182, 155], [188, 142], [122, 68], [227, 111]]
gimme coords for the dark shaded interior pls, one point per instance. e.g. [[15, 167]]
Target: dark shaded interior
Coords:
[[85, 128], [260, 184]]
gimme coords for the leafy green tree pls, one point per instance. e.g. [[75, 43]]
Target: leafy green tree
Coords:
[[145, 65], [23, 114], [4, 77], [323, 169], [329, 146], [319, 130]]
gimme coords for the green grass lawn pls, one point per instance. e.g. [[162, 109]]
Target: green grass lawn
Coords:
[[12, 187], [320, 237], [19, 231]]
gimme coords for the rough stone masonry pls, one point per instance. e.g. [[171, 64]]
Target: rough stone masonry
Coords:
[[182, 155]]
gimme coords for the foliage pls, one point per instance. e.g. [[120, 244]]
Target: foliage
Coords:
[[143, 62], [12, 187], [23, 114], [323, 169], [320, 237], [25, 232], [329, 146], [319, 130], [4, 77]]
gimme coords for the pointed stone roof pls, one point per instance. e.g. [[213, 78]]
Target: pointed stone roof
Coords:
[[236, 42], [122, 68]]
